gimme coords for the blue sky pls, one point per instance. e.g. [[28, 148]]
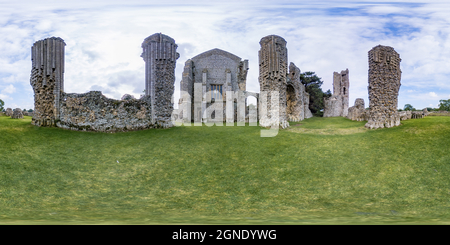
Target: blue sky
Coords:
[[104, 41]]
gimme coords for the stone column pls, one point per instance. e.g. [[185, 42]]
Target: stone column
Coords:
[[384, 84], [159, 54], [47, 79], [272, 78]]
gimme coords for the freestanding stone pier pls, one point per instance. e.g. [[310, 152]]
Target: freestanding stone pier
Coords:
[[160, 56], [272, 78], [337, 104], [384, 84], [47, 79]]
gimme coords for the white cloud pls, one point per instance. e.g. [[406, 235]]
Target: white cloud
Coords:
[[9, 89], [103, 39]]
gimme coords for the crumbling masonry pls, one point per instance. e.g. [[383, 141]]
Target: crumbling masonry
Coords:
[[337, 104], [272, 77], [384, 84], [92, 111]]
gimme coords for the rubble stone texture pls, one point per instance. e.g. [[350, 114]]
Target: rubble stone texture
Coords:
[[8, 112], [17, 114], [272, 77], [358, 112], [337, 104], [92, 111], [384, 84], [160, 56], [216, 68], [47, 79], [297, 99]]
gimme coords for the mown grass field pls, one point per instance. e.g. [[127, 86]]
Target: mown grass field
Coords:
[[319, 171]]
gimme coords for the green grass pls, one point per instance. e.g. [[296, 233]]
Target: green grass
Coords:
[[323, 171]]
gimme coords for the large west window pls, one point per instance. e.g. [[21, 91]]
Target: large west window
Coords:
[[216, 92]]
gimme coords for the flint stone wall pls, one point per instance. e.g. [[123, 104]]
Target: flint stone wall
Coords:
[[337, 104], [17, 114], [297, 99], [384, 84], [93, 111], [9, 112], [358, 111], [272, 77]]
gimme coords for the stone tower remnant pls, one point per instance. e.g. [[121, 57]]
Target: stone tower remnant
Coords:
[[47, 79], [272, 80], [384, 84], [160, 56], [337, 104]]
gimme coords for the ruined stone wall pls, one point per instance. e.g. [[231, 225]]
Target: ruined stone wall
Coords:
[[47, 79], [93, 111], [272, 77], [17, 114], [297, 100], [159, 54], [384, 84], [337, 104], [8, 112], [358, 111]]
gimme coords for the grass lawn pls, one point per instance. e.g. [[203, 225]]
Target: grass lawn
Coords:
[[319, 171]]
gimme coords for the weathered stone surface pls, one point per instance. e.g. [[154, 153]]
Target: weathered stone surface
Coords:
[[358, 112], [384, 84], [93, 111], [337, 104], [272, 78], [159, 54], [17, 114], [405, 115], [127, 97], [216, 71], [8, 112], [297, 99], [47, 79]]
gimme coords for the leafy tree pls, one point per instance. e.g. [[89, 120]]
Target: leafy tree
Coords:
[[313, 85], [408, 107], [1, 105], [444, 105], [30, 110], [429, 109]]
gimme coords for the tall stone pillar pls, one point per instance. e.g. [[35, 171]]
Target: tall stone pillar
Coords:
[[160, 56], [272, 78], [47, 79], [384, 84]]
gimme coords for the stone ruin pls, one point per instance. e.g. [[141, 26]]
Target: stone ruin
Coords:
[[337, 104], [17, 114], [358, 111], [8, 112], [92, 111], [384, 84], [297, 99], [273, 72], [219, 76], [47, 80], [216, 78]]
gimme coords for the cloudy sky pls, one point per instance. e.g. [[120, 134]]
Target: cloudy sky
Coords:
[[104, 41]]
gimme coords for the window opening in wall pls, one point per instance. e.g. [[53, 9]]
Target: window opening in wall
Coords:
[[216, 92]]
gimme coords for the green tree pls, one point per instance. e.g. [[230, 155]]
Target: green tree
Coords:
[[313, 85], [1, 105], [408, 107], [444, 105]]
